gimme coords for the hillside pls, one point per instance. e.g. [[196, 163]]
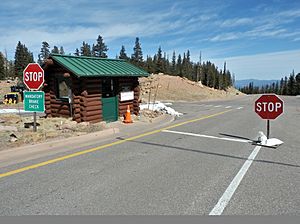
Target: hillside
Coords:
[[256, 82], [174, 88]]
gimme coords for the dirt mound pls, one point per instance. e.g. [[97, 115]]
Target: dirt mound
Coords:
[[175, 88], [16, 130]]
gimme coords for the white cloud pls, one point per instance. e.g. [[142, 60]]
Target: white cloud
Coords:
[[236, 22], [226, 37]]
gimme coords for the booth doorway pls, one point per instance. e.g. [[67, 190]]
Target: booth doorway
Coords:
[[109, 100]]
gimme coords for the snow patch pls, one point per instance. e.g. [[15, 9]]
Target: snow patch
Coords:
[[158, 106]]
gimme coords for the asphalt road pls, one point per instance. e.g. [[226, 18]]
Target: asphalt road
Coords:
[[185, 169]]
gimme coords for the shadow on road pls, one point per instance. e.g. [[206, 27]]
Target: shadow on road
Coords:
[[210, 153]]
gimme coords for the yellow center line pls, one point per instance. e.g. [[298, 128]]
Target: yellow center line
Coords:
[[20, 170]]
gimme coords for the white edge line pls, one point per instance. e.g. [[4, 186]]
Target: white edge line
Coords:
[[207, 136], [227, 195]]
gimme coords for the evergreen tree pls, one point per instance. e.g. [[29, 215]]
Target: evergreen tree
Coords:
[[2, 68], [284, 88], [93, 53], [188, 65], [166, 64], [123, 54], [137, 56], [55, 50], [22, 58], [77, 52], [150, 65], [173, 68], [276, 89], [100, 48], [179, 66], [159, 61], [281, 86], [297, 78], [291, 85], [85, 50], [211, 76], [45, 52], [61, 50]]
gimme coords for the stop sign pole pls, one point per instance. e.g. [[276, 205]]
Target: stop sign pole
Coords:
[[33, 78], [268, 107]]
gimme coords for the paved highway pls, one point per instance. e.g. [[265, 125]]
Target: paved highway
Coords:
[[190, 167]]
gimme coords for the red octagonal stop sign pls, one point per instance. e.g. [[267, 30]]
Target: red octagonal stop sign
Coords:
[[33, 76], [268, 106]]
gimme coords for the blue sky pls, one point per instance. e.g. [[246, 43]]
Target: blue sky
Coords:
[[258, 39]]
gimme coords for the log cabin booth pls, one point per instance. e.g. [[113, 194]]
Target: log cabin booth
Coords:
[[90, 89]]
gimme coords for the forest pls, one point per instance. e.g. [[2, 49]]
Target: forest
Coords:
[[180, 64], [289, 85]]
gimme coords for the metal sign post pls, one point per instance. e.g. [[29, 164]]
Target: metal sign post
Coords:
[[268, 107], [268, 129], [34, 101], [34, 122], [33, 78]]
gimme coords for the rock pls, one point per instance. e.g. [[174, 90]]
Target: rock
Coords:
[[13, 137], [30, 124]]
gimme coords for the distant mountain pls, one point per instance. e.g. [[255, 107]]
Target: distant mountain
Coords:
[[256, 82]]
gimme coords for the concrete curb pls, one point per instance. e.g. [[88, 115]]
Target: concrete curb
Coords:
[[52, 147]]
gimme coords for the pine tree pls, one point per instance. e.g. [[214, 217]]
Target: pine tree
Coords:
[[166, 64], [179, 66], [159, 61], [284, 88], [45, 52], [173, 68], [100, 48], [291, 85], [297, 78], [2, 68], [85, 50], [123, 54], [188, 65], [137, 56], [276, 89], [281, 86], [93, 53], [22, 58], [150, 65], [77, 52], [61, 50], [55, 50]]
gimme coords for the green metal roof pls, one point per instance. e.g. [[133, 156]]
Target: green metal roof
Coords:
[[83, 66]]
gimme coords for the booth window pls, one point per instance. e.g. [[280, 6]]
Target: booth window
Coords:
[[63, 88]]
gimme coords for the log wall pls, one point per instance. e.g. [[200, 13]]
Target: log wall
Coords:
[[54, 107], [133, 84], [90, 100]]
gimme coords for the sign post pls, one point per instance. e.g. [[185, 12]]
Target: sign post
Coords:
[[268, 107], [34, 101]]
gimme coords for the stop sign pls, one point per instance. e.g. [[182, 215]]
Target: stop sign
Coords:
[[33, 76], [268, 106]]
